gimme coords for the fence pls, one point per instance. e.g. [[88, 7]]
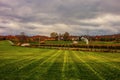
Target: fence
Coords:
[[91, 47]]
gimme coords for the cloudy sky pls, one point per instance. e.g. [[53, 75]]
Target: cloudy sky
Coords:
[[78, 17]]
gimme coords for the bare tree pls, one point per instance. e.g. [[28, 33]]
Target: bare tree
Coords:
[[54, 35], [23, 37], [66, 36]]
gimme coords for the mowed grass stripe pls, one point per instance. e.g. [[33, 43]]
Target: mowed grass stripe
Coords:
[[80, 70], [12, 62], [72, 73], [8, 61], [112, 57], [111, 61], [88, 66], [21, 63], [39, 67], [10, 70], [84, 72], [54, 72], [106, 71], [43, 70], [69, 70], [100, 58], [109, 55], [18, 58], [64, 68], [36, 60], [102, 68]]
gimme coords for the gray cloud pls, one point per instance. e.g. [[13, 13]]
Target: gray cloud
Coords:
[[45, 16], [110, 6]]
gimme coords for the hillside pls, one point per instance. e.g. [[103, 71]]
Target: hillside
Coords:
[[21, 63]]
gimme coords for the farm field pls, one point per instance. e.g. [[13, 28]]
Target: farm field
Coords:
[[21, 63], [79, 42]]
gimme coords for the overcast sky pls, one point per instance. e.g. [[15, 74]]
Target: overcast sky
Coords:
[[78, 17]]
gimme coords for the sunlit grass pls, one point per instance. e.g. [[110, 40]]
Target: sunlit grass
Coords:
[[21, 63]]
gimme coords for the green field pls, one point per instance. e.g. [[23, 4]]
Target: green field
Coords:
[[79, 42], [20, 63]]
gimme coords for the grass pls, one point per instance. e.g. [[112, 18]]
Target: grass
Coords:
[[58, 42], [104, 42], [20, 63], [79, 42]]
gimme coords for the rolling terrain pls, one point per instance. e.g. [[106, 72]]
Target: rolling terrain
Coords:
[[22, 63]]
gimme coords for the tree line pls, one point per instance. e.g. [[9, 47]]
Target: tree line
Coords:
[[64, 36]]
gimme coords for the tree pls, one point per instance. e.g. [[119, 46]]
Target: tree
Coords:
[[66, 36], [54, 35], [23, 37]]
